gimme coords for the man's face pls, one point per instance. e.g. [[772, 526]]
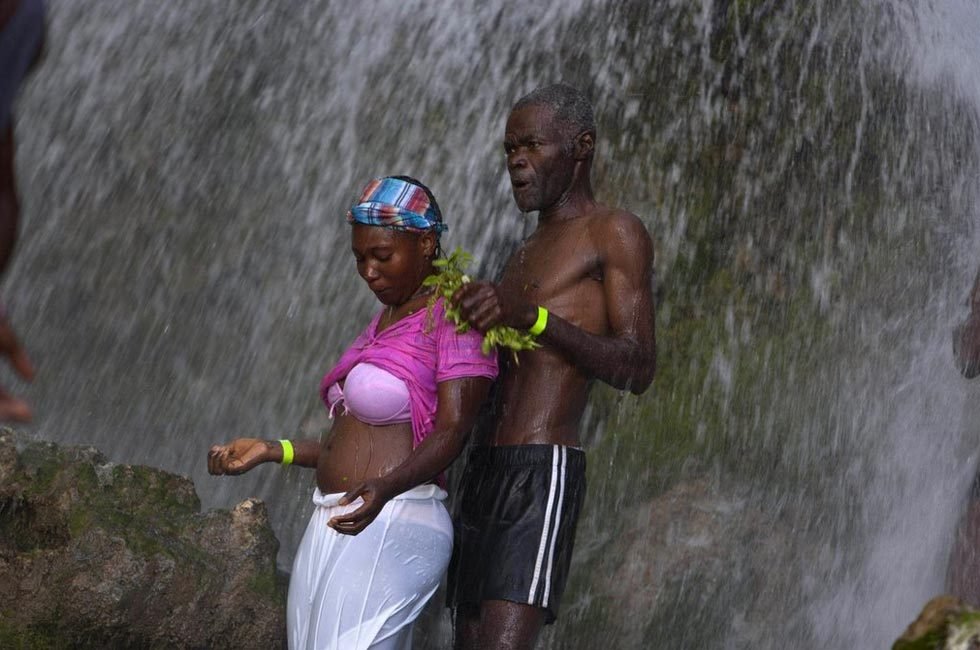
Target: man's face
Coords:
[[539, 161]]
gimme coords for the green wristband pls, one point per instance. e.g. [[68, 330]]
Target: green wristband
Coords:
[[541, 323], [287, 452]]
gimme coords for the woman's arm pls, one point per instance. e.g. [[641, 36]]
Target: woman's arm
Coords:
[[242, 454], [459, 404]]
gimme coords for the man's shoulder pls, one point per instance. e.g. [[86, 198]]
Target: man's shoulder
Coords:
[[612, 218], [617, 227]]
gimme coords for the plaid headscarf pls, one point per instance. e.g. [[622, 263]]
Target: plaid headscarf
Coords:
[[398, 204]]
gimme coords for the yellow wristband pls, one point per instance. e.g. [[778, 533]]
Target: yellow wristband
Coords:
[[287, 452], [541, 323]]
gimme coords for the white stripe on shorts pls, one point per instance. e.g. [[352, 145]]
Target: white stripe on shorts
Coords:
[[554, 533], [543, 544]]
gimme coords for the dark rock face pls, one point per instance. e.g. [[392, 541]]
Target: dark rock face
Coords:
[[963, 579], [95, 554]]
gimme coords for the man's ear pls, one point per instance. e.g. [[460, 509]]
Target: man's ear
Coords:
[[584, 145]]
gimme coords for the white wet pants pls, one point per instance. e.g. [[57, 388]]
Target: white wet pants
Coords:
[[365, 591]]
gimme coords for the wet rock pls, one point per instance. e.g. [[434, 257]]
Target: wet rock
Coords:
[[946, 623], [692, 568], [964, 566], [95, 554]]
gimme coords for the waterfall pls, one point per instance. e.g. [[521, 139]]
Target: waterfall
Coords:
[[808, 171]]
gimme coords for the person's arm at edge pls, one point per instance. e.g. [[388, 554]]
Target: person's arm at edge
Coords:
[[11, 408], [459, 405], [9, 204], [7, 9]]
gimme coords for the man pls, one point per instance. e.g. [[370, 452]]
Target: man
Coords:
[[21, 38], [582, 283]]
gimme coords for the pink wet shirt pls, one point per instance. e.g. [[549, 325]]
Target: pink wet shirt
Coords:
[[422, 353]]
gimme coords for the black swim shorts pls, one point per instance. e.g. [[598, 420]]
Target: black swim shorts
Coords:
[[515, 525]]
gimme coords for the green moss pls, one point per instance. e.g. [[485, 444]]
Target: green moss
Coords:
[[269, 586], [43, 467], [85, 478], [43, 637], [933, 640], [79, 521], [944, 624]]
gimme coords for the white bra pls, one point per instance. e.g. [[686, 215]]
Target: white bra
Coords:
[[372, 395]]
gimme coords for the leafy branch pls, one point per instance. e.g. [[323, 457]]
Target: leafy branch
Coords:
[[450, 276]]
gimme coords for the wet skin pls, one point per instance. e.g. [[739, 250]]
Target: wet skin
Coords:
[[591, 266], [393, 269], [357, 458], [11, 408]]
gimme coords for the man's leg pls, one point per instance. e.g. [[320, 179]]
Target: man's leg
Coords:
[[520, 535], [466, 627], [508, 626]]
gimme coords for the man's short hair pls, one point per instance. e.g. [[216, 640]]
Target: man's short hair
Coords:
[[569, 104]]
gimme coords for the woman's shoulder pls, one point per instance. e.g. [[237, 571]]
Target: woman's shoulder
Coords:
[[441, 321]]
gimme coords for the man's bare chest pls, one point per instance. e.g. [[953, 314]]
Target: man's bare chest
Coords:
[[544, 267]]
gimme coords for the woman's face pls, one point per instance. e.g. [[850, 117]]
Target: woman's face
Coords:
[[393, 263]]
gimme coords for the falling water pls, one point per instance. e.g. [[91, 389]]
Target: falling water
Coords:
[[809, 172]]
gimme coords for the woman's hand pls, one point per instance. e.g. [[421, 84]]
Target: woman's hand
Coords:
[[375, 493], [241, 455]]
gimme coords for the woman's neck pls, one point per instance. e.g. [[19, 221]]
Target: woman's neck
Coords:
[[394, 313]]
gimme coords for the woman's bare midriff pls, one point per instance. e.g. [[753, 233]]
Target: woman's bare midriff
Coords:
[[354, 451]]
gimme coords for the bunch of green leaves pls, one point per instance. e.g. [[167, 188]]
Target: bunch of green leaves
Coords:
[[449, 277]]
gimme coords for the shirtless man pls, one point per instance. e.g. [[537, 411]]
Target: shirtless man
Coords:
[[582, 283], [21, 38]]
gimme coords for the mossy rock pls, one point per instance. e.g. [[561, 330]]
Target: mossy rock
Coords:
[[946, 623], [96, 554]]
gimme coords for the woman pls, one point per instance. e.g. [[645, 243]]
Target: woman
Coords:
[[404, 395]]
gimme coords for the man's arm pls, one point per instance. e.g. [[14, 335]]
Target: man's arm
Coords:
[[459, 404], [966, 337], [626, 357]]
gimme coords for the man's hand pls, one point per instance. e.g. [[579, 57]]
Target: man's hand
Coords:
[[13, 408], [375, 493], [239, 456], [483, 305]]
